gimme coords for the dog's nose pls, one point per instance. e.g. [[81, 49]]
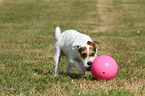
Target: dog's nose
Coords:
[[89, 63]]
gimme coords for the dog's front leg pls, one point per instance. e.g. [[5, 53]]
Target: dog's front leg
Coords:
[[80, 68], [69, 68]]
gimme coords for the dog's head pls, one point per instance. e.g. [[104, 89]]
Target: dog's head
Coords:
[[87, 53]]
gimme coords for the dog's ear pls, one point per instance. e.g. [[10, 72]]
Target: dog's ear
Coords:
[[93, 43], [76, 46]]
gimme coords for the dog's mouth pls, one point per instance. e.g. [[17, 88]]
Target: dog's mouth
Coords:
[[88, 68]]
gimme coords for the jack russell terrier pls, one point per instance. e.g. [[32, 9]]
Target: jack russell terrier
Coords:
[[79, 48]]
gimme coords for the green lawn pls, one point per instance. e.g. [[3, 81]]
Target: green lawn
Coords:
[[27, 39]]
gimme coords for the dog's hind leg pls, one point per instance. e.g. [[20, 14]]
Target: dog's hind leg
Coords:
[[56, 59]]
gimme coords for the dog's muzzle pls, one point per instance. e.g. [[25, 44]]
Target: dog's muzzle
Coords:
[[89, 63], [89, 68]]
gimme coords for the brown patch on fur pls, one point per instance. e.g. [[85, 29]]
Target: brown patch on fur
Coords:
[[92, 43], [92, 49], [83, 52]]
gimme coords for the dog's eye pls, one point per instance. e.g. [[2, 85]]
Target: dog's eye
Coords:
[[92, 54], [84, 55]]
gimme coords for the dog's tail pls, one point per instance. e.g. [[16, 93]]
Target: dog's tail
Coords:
[[57, 33]]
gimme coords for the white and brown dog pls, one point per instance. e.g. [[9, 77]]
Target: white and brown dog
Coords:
[[79, 48]]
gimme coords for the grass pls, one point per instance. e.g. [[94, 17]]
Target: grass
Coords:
[[27, 38]]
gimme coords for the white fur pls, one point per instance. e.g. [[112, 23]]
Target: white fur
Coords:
[[67, 43]]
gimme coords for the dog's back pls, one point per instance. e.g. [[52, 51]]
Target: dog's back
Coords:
[[70, 38]]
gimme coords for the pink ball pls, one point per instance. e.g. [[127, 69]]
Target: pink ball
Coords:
[[104, 68]]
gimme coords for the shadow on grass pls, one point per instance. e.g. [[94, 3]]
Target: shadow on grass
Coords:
[[39, 71], [73, 76], [78, 76], [65, 74]]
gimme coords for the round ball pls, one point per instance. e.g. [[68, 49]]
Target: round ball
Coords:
[[104, 68]]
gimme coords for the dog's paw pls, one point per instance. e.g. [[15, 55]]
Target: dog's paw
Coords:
[[56, 74]]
